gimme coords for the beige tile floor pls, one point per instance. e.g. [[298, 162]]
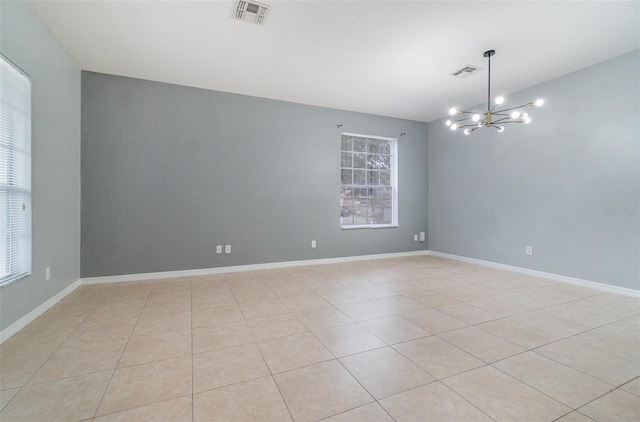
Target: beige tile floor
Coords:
[[406, 339]]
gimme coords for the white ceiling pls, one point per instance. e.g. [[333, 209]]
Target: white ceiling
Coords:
[[391, 58]]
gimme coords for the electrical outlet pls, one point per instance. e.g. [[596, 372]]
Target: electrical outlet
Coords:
[[529, 250], [313, 244], [219, 249], [47, 273], [227, 248], [415, 237], [423, 236]]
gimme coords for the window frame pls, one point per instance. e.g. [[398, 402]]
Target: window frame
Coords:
[[15, 172], [393, 152]]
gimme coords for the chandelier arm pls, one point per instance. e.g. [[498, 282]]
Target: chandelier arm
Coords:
[[512, 108], [509, 121], [503, 120]]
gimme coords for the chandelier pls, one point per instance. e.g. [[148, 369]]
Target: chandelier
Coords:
[[491, 118]]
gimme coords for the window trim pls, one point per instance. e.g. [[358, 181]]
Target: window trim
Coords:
[[394, 183]]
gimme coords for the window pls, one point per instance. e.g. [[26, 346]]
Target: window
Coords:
[[15, 172], [369, 181]]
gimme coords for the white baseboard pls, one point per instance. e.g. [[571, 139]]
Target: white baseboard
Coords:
[[238, 268], [27, 319], [534, 273]]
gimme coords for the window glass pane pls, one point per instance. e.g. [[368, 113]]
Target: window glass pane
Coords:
[[360, 161], [346, 197], [381, 195], [385, 147], [385, 178], [361, 193], [360, 145], [373, 178], [347, 143], [372, 146], [346, 159], [373, 161], [360, 177], [384, 162], [381, 202], [346, 177], [363, 210], [347, 219], [346, 206]]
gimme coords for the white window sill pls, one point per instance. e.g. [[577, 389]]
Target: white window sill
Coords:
[[365, 226], [9, 281]]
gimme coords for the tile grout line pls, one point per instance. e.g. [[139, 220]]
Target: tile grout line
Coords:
[[464, 398], [121, 355], [628, 382], [573, 411], [544, 287], [192, 365], [613, 386], [576, 369], [26, 384], [434, 381], [545, 394], [264, 360], [358, 407], [533, 349]]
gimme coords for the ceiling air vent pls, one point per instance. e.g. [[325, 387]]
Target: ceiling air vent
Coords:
[[251, 11], [466, 71]]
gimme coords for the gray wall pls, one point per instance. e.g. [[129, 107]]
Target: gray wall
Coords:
[[549, 184], [55, 161], [169, 172]]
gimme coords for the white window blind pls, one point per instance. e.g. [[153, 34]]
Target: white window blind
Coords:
[[15, 172]]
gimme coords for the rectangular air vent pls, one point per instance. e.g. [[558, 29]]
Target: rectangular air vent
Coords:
[[251, 11], [466, 71]]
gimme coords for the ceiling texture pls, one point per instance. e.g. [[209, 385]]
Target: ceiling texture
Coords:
[[390, 58]]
